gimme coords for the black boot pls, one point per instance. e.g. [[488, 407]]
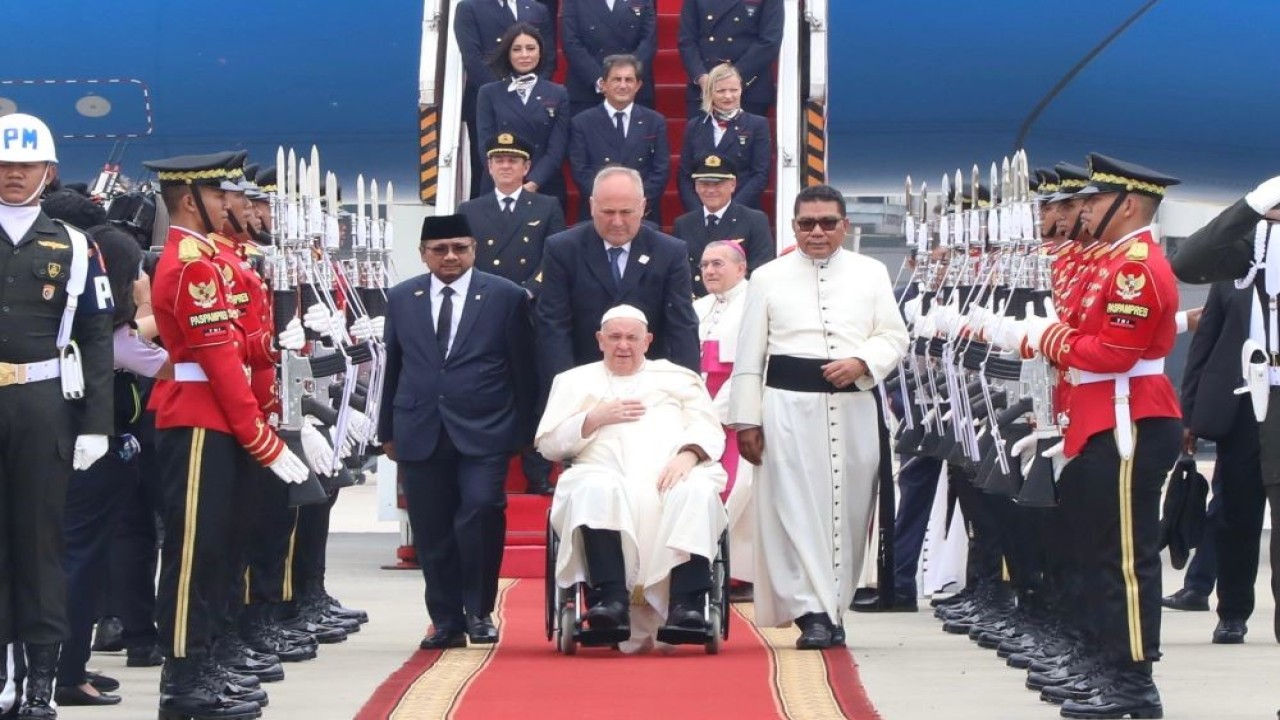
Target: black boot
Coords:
[[220, 680], [185, 696], [42, 667], [232, 653], [1131, 693]]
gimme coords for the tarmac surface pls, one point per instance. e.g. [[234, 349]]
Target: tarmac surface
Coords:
[[911, 669]]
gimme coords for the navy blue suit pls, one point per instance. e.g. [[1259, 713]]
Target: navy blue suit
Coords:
[[455, 421], [751, 227], [594, 143], [578, 288], [591, 32], [543, 122], [747, 141], [478, 26], [746, 33], [511, 246]]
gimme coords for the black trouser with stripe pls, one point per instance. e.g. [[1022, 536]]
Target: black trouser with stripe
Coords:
[[272, 540], [310, 543], [248, 494], [198, 471], [1119, 532], [36, 442]]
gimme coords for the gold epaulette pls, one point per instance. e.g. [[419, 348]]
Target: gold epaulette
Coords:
[[1137, 251], [190, 249]]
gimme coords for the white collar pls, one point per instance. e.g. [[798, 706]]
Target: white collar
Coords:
[[719, 213], [733, 293], [626, 247], [818, 262], [1126, 238], [515, 196], [460, 286], [614, 111]]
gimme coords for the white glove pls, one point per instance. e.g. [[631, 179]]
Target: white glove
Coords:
[[89, 449], [1038, 326], [293, 337], [910, 309], [317, 451], [379, 326], [289, 468], [977, 315], [318, 319], [1023, 452], [944, 321], [1264, 197], [361, 329], [359, 427], [1007, 333], [348, 443]]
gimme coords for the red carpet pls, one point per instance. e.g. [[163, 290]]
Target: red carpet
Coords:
[[758, 674]]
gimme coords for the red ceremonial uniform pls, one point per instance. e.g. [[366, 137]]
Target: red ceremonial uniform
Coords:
[[199, 324], [248, 295], [1126, 314]]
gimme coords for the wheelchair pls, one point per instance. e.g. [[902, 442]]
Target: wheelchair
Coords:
[[566, 608]]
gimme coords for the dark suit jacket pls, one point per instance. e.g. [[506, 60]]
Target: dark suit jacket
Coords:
[[479, 25], [543, 122], [591, 32], [483, 393], [738, 223], [594, 143], [1212, 372], [747, 141], [578, 288], [1221, 250], [511, 247], [747, 33]]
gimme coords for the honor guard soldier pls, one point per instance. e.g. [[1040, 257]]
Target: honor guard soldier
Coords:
[[1122, 434], [745, 33], [619, 132], [209, 425], [719, 218], [594, 30], [56, 397]]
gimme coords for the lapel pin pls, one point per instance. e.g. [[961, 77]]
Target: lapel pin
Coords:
[[477, 297], [535, 223], [644, 260], [418, 292]]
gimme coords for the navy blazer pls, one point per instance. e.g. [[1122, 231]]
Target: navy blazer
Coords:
[[511, 246], [479, 24], [747, 33], [594, 143], [591, 32], [1212, 372], [737, 223], [747, 141], [543, 122], [578, 288], [483, 393]]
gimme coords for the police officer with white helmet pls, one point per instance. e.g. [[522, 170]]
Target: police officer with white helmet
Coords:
[[56, 399]]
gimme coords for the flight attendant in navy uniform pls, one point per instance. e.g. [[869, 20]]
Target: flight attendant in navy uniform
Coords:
[[592, 30], [744, 33], [728, 131], [511, 226], [620, 132], [529, 107], [45, 430], [478, 26]]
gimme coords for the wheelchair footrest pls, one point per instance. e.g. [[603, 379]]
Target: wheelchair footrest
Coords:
[[604, 636], [677, 635]]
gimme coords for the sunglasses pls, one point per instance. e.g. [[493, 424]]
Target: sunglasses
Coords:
[[828, 223], [443, 249]]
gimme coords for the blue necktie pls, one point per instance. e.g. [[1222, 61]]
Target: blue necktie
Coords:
[[614, 254], [444, 324]]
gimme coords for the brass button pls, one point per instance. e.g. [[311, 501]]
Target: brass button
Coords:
[[496, 261], [490, 241], [711, 39], [526, 239], [523, 261], [711, 17]]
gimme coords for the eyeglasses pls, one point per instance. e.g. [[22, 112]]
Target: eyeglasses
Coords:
[[443, 249], [806, 224]]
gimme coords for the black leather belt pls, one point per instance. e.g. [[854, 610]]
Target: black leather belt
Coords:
[[787, 372]]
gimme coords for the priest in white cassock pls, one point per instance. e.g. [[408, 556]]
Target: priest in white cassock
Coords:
[[638, 511], [819, 330], [723, 270]]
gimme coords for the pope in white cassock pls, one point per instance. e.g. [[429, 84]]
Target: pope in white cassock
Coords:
[[724, 273], [819, 330], [638, 511]]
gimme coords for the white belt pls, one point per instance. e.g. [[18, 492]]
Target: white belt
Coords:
[[23, 373], [1124, 419], [189, 372]]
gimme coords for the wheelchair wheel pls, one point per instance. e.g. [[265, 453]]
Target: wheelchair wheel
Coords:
[[549, 580], [567, 644], [721, 577], [715, 619]]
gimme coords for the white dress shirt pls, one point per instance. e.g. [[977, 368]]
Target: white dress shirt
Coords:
[[626, 116], [460, 288]]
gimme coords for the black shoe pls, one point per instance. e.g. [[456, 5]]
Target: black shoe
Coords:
[[73, 695], [608, 615], [1130, 694], [109, 636], [443, 640], [322, 634], [817, 636], [100, 682], [872, 605], [1229, 632], [145, 656], [42, 667], [481, 630], [185, 696], [539, 486], [837, 636], [1186, 599], [341, 610], [683, 616]]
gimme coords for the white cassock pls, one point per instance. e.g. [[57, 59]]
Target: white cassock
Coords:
[[719, 317], [613, 481], [817, 485]]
